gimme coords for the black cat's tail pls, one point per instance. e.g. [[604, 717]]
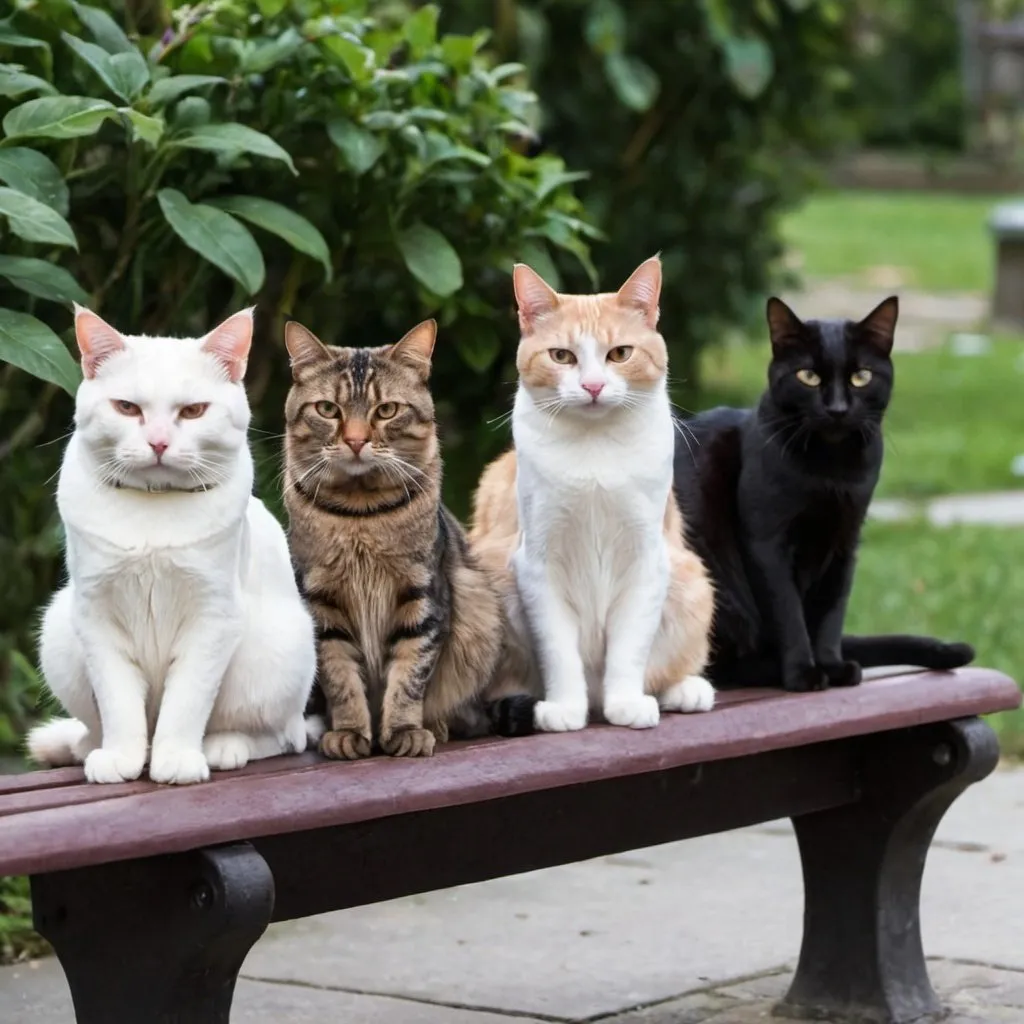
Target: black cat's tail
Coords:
[[512, 716], [895, 649]]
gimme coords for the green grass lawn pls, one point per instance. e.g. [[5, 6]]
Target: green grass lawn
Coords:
[[958, 583], [937, 241], [954, 425]]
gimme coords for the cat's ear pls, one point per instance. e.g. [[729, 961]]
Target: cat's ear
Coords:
[[96, 340], [534, 296], [879, 326], [643, 290], [784, 326], [230, 343], [304, 347], [416, 348]]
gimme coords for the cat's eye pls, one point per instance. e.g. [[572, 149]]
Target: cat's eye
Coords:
[[808, 377], [193, 411], [386, 411], [620, 353], [126, 408], [562, 356], [860, 378], [328, 410]]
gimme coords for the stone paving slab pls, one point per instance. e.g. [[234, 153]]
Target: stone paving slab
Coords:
[[998, 508]]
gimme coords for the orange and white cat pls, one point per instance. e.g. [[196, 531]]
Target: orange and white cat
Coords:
[[604, 597]]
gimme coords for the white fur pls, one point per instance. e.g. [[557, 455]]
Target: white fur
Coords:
[[593, 482], [181, 637]]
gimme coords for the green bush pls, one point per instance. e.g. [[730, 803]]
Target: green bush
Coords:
[[357, 172], [697, 120]]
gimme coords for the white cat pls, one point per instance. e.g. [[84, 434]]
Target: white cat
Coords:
[[617, 608], [181, 636]]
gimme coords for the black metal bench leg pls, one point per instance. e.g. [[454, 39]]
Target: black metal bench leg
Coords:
[[862, 959], [156, 941]]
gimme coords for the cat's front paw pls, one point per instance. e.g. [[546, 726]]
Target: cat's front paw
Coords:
[[226, 751], [559, 716], [408, 743], [632, 712], [804, 678], [693, 694], [842, 673], [178, 766], [113, 766], [345, 745]]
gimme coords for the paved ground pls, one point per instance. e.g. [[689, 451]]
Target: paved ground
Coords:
[[702, 932], [999, 508]]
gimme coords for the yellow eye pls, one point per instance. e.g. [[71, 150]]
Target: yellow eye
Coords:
[[193, 411], [386, 410], [860, 378], [126, 408], [562, 356], [328, 410], [808, 377], [620, 353]]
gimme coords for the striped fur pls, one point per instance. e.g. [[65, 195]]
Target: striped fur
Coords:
[[409, 627]]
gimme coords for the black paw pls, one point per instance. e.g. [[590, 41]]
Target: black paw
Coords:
[[954, 656], [804, 678], [842, 673]]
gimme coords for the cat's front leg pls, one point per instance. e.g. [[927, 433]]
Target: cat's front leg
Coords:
[[120, 690], [200, 661], [826, 612], [555, 631], [782, 608], [633, 620], [340, 674], [413, 648]]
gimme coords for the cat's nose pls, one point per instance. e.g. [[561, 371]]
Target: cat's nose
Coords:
[[159, 447], [356, 444], [592, 388], [837, 412]]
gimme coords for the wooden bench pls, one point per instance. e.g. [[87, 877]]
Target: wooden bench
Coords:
[[152, 896]]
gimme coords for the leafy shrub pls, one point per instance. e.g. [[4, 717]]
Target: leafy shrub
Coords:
[[697, 120], [360, 173]]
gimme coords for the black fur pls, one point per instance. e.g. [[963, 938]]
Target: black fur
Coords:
[[512, 716], [774, 499]]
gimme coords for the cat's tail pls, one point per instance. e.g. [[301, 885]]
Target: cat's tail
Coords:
[[56, 743], [513, 715], [896, 649]]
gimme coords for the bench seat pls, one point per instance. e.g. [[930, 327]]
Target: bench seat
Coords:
[[865, 773]]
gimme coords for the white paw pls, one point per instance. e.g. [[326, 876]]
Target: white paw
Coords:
[[633, 712], [694, 693], [554, 716], [315, 727], [178, 766], [226, 751], [113, 766]]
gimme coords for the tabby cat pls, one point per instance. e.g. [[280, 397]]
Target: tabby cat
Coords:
[[775, 496], [409, 627]]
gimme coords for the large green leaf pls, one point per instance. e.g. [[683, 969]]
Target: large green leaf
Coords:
[[634, 82], [144, 128], [35, 221], [298, 232], [749, 64], [125, 74], [420, 29], [43, 279], [15, 81], [57, 117], [360, 148], [29, 344], [14, 39], [216, 236], [104, 29], [29, 171], [430, 258], [169, 89], [233, 138]]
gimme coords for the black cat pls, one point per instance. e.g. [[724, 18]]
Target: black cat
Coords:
[[774, 499]]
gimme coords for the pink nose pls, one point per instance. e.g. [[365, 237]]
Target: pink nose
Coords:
[[593, 389], [356, 444], [159, 447]]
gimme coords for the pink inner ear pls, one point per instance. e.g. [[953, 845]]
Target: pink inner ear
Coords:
[[534, 296], [643, 290], [96, 340], [230, 343]]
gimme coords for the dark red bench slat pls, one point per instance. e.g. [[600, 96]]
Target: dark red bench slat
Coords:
[[297, 794]]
